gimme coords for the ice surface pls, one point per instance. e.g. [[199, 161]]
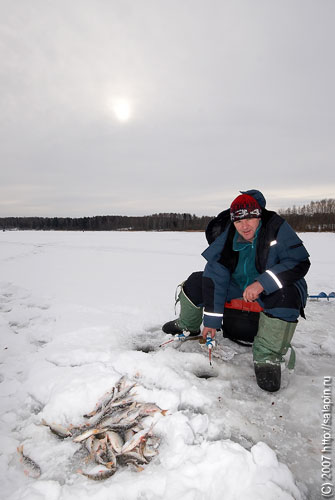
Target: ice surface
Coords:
[[78, 310]]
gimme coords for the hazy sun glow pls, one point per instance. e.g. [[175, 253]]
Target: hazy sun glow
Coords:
[[122, 109]]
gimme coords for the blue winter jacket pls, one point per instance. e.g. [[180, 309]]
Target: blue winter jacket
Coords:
[[281, 260]]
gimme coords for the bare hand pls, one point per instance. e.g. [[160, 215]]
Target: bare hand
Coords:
[[208, 332], [252, 292]]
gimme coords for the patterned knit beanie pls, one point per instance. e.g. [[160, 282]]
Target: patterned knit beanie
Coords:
[[244, 207]]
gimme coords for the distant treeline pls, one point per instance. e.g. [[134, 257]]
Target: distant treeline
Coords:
[[314, 217], [155, 222]]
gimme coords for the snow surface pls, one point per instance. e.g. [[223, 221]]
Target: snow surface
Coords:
[[78, 310]]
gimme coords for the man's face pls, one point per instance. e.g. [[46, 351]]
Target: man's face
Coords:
[[247, 228]]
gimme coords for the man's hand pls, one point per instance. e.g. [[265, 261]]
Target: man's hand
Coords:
[[208, 332], [252, 292]]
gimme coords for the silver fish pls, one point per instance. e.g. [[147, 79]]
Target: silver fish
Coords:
[[128, 434], [101, 475], [126, 420], [121, 383], [150, 447], [89, 444], [92, 444], [121, 403], [87, 434], [110, 455], [104, 455], [136, 456], [138, 427], [121, 415], [109, 421], [150, 408], [115, 440], [113, 398], [135, 440], [121, 426], [57, 429], [153, 441], [128, 460], [31, 468], [102, 403], [123, 393]]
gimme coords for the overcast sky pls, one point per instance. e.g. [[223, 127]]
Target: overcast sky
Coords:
[[141, 106]]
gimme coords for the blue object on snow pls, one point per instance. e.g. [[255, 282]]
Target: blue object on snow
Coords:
[[322, 295]]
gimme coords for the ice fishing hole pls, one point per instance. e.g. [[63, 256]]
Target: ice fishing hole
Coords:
[[145, 348], [39, 343], [206, 374]]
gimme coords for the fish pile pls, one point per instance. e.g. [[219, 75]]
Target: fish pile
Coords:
[[112, 434]]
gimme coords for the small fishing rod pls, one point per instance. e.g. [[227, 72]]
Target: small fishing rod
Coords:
[[181, 337]]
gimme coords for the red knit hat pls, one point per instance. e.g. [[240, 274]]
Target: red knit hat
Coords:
[[245, 207]]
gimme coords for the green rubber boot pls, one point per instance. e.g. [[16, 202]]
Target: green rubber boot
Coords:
[[190, 317], [270, 345]]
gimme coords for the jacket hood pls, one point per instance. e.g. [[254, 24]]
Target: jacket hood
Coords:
[[257, 195]]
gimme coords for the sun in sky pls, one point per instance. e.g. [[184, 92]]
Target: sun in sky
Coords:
[[122, 109]]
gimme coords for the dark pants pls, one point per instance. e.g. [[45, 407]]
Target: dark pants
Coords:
[[283, 304]]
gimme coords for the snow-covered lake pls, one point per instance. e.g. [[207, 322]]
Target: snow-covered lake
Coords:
[[78, 310]]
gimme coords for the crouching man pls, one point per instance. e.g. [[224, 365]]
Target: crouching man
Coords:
[[252, 287]]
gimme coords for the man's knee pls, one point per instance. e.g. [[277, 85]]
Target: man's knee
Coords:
[[193, 288], [273, 339], [284, 304]]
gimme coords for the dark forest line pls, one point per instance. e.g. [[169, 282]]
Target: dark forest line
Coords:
[[314, 217], [317, 216], [155, 222]]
